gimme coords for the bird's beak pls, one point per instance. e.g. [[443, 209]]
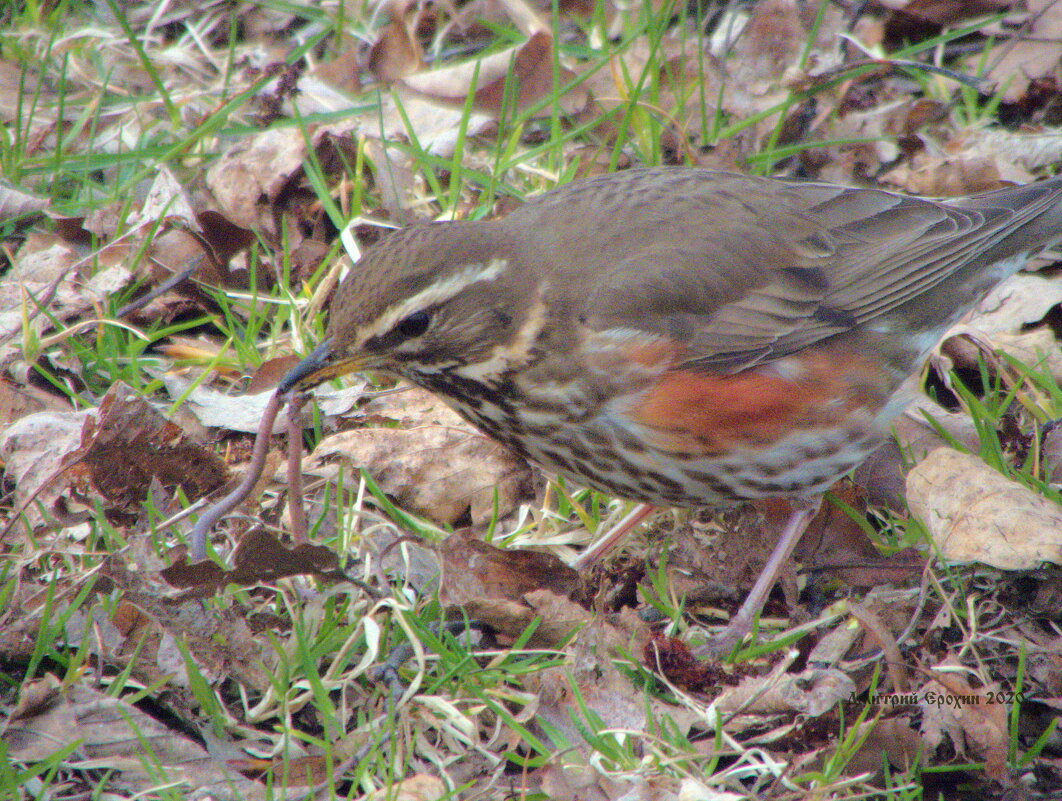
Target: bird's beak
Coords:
[[322, 363]]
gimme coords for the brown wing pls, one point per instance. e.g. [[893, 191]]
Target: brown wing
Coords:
[[744, 270]]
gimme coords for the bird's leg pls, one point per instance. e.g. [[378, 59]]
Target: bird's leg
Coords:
[[612, 538], [741, 623]]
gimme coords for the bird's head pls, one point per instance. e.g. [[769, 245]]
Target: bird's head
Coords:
[[427, 299]]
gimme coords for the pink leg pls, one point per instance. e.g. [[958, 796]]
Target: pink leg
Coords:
[[613, 537], [741, 624]]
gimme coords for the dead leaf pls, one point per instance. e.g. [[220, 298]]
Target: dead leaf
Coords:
[[442, 468], [935, 176], [883, 475], [111, 734], [1032, 54], [259, 557], [812, 692], [527, 69], [256, 170], [835, 545], [475, 570], [891, 740], [35, 449], [222, 644], [971, 718], [413, 788], [396, 52], [342, 72], [1022, 151], [220, 410], [127, 444], [974, 514], [18, 401], [16, 203], [1022, 300]]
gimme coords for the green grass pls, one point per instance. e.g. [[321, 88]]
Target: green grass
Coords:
[[324, 641]]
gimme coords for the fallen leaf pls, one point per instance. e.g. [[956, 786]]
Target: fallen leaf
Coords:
[[35, 449], [974, 514], [971, 718], [811, 692], [255, 170], [441, 468], [474, 570], [16, 203], [412, 788], [1032, 54], [220, 410], [127, 444], [113, 735], [522, 75], [891, 740], [936, 176], [396, 52]]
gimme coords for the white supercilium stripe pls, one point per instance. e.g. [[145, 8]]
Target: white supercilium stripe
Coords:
[[439, 292]]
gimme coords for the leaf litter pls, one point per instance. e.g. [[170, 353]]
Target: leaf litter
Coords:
[[262, 669]]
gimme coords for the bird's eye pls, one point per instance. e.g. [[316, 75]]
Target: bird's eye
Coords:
[[414, 325]]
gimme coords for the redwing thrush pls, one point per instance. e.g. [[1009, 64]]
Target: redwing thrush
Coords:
[[680, 336]]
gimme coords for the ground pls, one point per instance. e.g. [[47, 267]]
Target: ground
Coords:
[[185, 184]]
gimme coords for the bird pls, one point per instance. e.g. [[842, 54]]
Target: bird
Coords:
[[680, 336]]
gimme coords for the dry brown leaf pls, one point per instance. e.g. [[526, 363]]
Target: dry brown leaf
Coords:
[[812, 692], [947, 12], [590, 677], [395, 175], [1033, 54], [442, 468], [413, 788], [342, 72], [219, 410], [1020, 301], [1038, 349], [883, 475], [835, 545], [893, 739], [270, 372], [396, 52], [935, 176], [113, 454], [166, 199], [253, 170], [974, 514], [259, 557], [773, 39], [128, 444], [528, 68], [18, 83], [112, 734], [221, 644], [1051, 454], [18, 401], [474, 570], [1023, 149], [403, 116], [718, 555], [16, 203], [974, 721], [54, 278], [34, 451], [763, 61]]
